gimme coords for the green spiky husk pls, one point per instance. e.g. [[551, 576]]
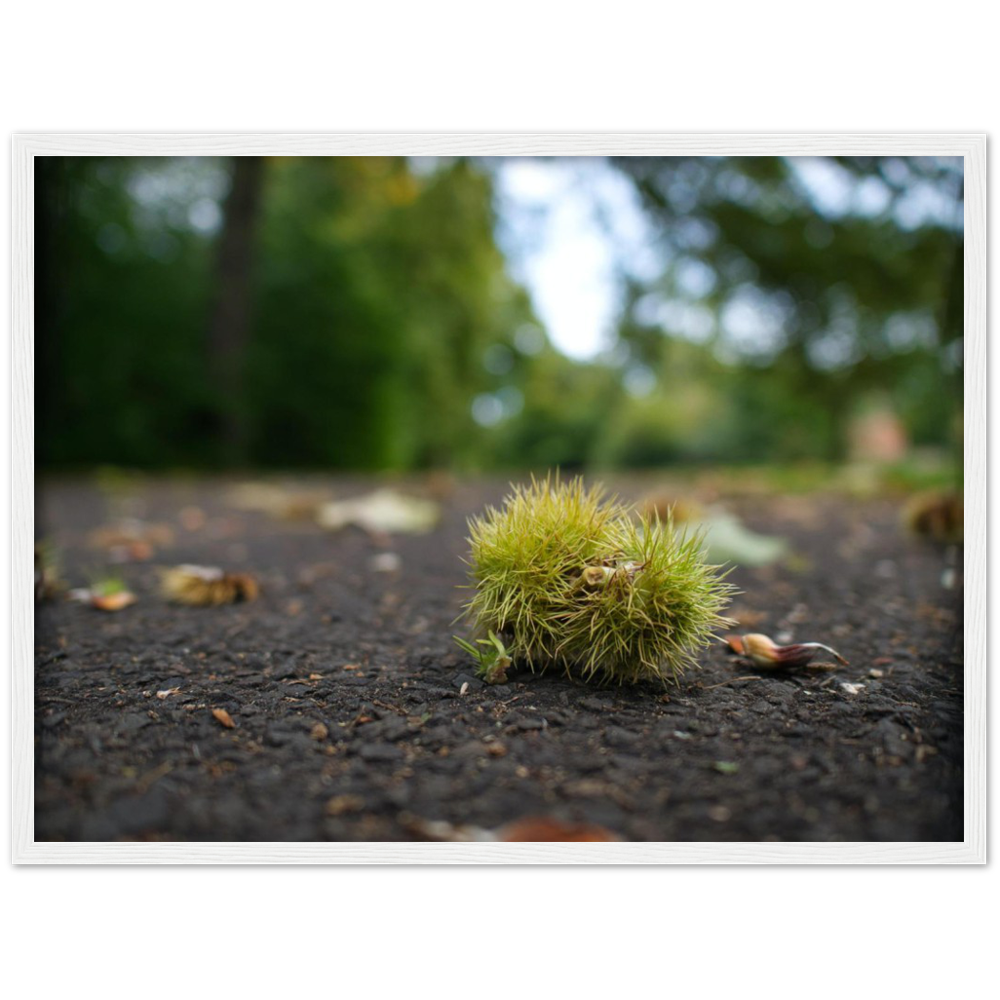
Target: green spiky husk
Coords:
[[570, 579]]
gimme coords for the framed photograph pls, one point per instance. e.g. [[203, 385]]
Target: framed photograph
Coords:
[[499, 499]]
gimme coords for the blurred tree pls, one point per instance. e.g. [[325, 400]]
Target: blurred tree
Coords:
[[379, 328], [820, 280], [121, 312], [382, 291], [360, 338]]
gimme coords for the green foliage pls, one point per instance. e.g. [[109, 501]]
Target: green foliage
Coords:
[[811, 305], [375, 293], [567, 578], [386, 328], [122, 293]]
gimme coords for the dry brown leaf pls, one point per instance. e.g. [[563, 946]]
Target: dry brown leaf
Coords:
[[224, 717], [936, 515], [207, 586], [541, 828], [344, 803], [319, 731], [131, 540]]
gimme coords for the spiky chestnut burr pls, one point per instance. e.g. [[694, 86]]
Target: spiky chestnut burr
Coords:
[[564, 577]]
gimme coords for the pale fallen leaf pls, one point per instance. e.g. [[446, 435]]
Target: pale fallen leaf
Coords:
[[278, 501], [166, 693], [726, 539], [382, 512]]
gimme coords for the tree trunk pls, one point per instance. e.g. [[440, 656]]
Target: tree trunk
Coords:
[[229, 332]]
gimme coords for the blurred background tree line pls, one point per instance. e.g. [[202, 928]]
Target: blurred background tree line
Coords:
[[358, 313]]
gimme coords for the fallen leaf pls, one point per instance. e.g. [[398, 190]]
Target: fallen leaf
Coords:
[[344, 803], [131, 540], [224, 717], [725, 767], [163, 695], [537, 829], [276, 500], [380, 513], [206, 586], [543, 829], [936, 515], [113, 602], [319, 731], [725, 539]]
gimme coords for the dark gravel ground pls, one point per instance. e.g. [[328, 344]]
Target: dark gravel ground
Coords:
[[347, 691]]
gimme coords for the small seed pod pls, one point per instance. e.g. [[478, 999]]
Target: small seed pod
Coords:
[[768, 655]]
